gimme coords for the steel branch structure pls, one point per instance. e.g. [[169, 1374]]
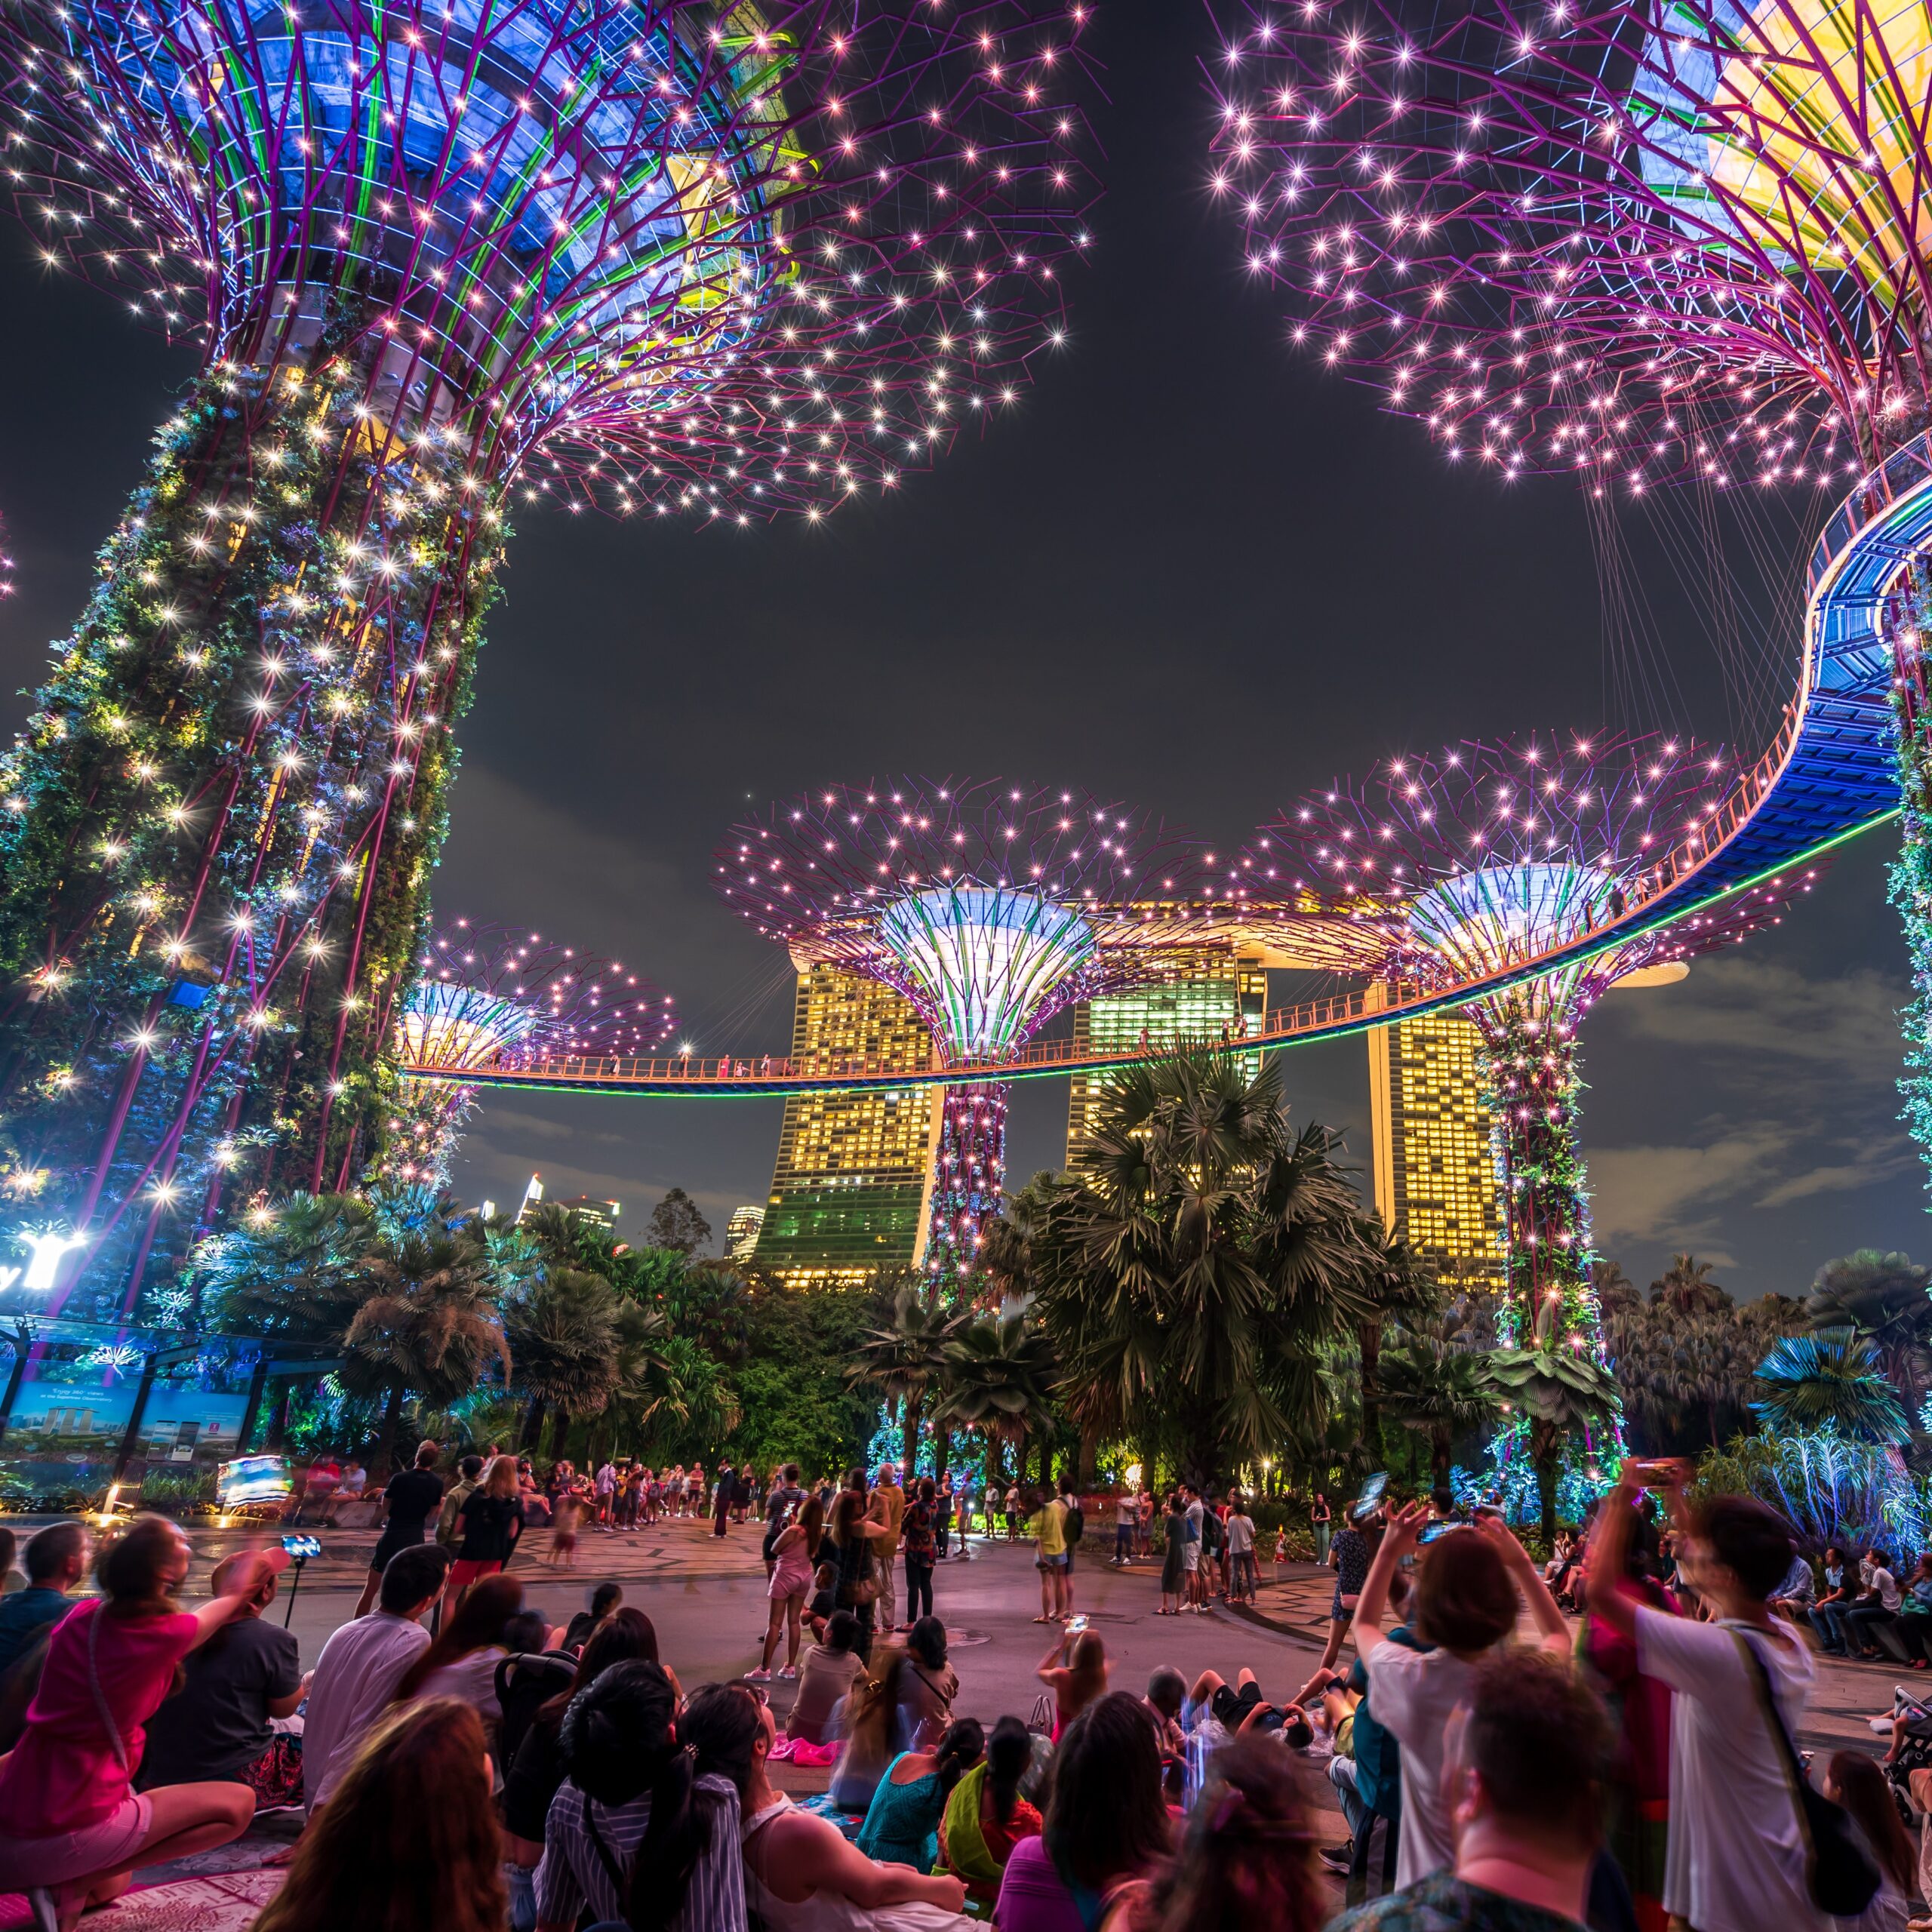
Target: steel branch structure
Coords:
[[985, 904], [489, 998], [678, 260], [1487, 860]]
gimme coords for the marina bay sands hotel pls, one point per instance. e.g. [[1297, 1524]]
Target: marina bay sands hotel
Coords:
[[849, 1190]]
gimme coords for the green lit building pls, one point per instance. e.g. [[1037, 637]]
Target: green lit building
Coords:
[[1202, 990], [849, 1191]]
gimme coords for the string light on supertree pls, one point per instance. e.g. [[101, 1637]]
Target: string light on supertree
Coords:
[[490, 997], [989, 905], [680, 263], [1475, 863], [1646, 243]]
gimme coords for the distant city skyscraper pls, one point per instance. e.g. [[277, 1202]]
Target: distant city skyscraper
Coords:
[[741, 1231], [1207, 987], [1435, 1170], [580, 1206], [849, 1192]]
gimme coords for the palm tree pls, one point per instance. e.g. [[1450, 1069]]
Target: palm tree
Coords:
[[1687, 1287], [429, 1322], [1401, 1286], [1561, 1391], [1887, 1297], [1616, 1293], [1833, 1380], [1438, 1390], [997, 1375], [294, 1272], [902, 1358], [1191, 1274], [562, 1335]]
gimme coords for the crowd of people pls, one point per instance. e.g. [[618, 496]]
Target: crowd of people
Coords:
[[461, 1764]]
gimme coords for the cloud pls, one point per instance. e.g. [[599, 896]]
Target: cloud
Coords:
[[1673, 1194], [1879, 1160]]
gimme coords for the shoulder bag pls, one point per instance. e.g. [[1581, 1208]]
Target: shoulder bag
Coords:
[[1842, 1880]]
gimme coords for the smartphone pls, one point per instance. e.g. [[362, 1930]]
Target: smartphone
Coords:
[[299, 1547], [1433, 1532], [1075, 1625]]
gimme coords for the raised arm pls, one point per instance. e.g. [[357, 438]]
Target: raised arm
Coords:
[[1605, 1564], [1543, 1610], [1405, 1526]]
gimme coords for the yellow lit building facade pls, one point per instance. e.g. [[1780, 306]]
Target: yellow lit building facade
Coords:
[[1435, 1177], [1201, 989], [849, 1193]]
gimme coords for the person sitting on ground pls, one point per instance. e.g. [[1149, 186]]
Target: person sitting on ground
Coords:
[[536, 1772], [1225, 1710], [1525, 1762], [603, 1602], [1075, 1671], [831, 1668], [635, 1833], [408, 1839], [1739, 1854], [875, 1734], [1167, 1693], [1245, 1863], [1466, 1603], [985, 1816], [824, 1600], [217, 1725], [355, 1678], [461, 1660], [902, 1822], [1855, 1780], [1106, 1824], [71, 1827], [926, 1686], [56, 1560], [801, 1873]]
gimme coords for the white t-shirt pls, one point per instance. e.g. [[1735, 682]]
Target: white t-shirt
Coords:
[[1127, 1513], [1887, 1585], [1241, 1535], [1412, 1695], [1736, 1860], [355, 1677]]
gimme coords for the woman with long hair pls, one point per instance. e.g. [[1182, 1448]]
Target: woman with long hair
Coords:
[[1854, 1780], [921, 1549], [1246, 1862], [626, 1636], [872, 1740], [1106, 1824], [1075, 1672], [489, 1525], [794, 1557], [461, 1661], [901, 1823], [72, 1828], [855, 1537], [408, 1838], [801, 1873], [985, 1816], [637, 1831]]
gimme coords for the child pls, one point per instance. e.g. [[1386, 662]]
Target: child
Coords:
[[563, 1532]]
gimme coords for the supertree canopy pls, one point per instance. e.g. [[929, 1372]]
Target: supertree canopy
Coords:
[[1477, 863], [674, 259], [488, 996], [988, 905]]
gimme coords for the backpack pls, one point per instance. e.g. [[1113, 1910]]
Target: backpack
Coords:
[[1213, 1533], [1075, 1526]]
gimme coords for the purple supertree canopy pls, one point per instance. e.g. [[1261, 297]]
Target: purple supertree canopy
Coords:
[[663, 257], [1648, 242]]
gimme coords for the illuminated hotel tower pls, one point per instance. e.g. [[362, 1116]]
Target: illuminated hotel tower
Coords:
[[1435, 1173], [1206, 988], [849, 1192]]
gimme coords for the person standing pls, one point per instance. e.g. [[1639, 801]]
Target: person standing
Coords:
[[1739, 1857], [409, 1498], [888, 1506], [1048, 1528], [795, 1555], [604, 1486], [1173, 1559], [786, 1496], [490, 1525], [943, 1508], [1126, 1515], [1349, 1557], [921, 1551], [449, 1532], [1239, 1527], [1320, 1522], [721, 1500]]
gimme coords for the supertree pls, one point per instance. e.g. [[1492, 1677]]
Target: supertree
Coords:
[[487, 996], [1644, 242], [989, 905], [1474, 864], [671, 259]]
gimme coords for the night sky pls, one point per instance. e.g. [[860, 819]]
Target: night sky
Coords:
[[1188, 569]]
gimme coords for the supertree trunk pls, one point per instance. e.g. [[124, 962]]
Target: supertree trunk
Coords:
[[970, 1172], [219, 825], [1911, 878], [1531, 1086]]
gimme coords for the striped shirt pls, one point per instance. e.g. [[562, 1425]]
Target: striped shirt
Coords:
[[572, 1874]]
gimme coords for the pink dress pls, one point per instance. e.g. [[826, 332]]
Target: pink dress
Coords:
[[791, 1573]]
